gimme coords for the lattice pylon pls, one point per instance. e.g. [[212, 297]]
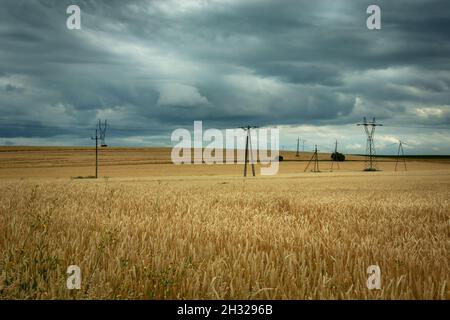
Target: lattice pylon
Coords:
[[369, 129]]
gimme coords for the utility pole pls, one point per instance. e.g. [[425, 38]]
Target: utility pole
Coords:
[[369, 128], [248, 148], [96, 152], [298, 145], [400, 149], [314, 158], [335, 159]]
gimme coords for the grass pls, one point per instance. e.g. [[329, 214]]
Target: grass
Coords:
[[293, 236]]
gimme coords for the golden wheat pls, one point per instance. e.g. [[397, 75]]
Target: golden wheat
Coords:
[[286, 237]]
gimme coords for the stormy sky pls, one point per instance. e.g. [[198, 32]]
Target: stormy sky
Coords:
[[310, 68]]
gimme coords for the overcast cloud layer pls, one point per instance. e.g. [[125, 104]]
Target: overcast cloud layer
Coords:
[[310, 67]]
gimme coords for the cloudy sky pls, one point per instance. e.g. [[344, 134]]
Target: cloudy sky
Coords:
[[310, 68]]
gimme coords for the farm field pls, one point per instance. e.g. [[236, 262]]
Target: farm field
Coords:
[[68, 162], [147, 229]]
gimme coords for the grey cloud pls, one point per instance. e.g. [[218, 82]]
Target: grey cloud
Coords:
[[162, 64]]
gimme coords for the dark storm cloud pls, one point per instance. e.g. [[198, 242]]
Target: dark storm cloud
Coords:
[[150, 66]]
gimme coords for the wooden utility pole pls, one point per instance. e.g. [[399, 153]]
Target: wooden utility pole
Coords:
[[96, 152], [335, 158], [248, 148], [314, 158]]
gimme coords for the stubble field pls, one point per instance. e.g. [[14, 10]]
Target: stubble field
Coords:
[[159, 231]]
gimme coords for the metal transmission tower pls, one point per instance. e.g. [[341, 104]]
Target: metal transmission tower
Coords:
[[369, 128], [96, 137], [102, 131], [248, 147], [400, 150], [335, 158], [298, 146], [314, 158]]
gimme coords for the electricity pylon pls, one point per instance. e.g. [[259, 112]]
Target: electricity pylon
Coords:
[[96, 137], [102, 131], [298, 146], [369, 128], [335, 159], [400, 150], [248, 147], [314, 158]]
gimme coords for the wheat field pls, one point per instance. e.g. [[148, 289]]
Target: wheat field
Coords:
[[291, 236]]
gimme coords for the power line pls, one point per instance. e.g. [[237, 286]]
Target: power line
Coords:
[[416, 127]]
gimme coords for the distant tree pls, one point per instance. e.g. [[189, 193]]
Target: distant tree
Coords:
[[337, 156], [280, 158]]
